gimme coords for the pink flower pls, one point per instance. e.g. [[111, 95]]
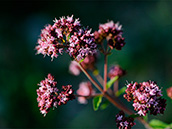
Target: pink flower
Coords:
[[47, 44], [169, 92], [146, 97], [49, 96], [66, 35], [85, 89], [82, 44], [116, 71], [46, 94], [65, 95], [112, 33], [74, 68], [123, 122], [87, 63]]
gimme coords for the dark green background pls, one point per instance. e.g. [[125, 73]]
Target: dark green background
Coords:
[[147, 55]]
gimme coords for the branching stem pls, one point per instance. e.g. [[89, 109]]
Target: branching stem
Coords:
[[113, 100]]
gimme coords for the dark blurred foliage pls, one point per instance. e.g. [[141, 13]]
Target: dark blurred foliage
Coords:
[[147, 55]]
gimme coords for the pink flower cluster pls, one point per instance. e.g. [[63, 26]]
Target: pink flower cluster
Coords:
[[65, 95], [112, 33], [169, 92], [49, 97], [66, 35], [116, 71], [85, 89], [123, 122], [82, 44], [66, 25], [48, 43], [146, 97], [87, 63]]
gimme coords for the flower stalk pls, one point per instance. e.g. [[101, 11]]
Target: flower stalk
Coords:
[[105, 73], [112, 100]]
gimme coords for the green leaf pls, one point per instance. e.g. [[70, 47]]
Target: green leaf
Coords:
[[68, 37], [157, 124], [120, 91], [170, 126], [104, 105], [81, 60], [96, 102], [110, 82]]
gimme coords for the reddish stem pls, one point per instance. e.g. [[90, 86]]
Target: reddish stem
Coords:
[[113, 100], [105, 72], [90, 78]]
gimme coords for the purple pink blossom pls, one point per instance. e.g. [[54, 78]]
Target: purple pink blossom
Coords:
[[65, 95], [123, 122], [82, 44], [49, 96], [87, 63], [169, 92], [74, 68], [116, 71], [112, 33], [48, 44], [146, 97], [85, 89], [66, 35]]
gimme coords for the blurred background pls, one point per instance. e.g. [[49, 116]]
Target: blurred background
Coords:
[[147, 55]]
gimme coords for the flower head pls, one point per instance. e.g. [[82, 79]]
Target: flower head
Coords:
[[87, 63], [112, 33], [47, 94], [66, 25], [65, 95], [123, 122], [66, 35], [48, 44], [116, 71], [82, 44], [146, 97], [85, 89], [169, 92], [74, 68]]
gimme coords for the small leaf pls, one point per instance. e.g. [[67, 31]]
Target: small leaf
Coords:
[[96, 102], [157, 124], [68, 37], [120, 91], [104, 105], [110, 82], [81, 60]]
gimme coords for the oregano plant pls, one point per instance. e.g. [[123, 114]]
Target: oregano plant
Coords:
[[67, 35]]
